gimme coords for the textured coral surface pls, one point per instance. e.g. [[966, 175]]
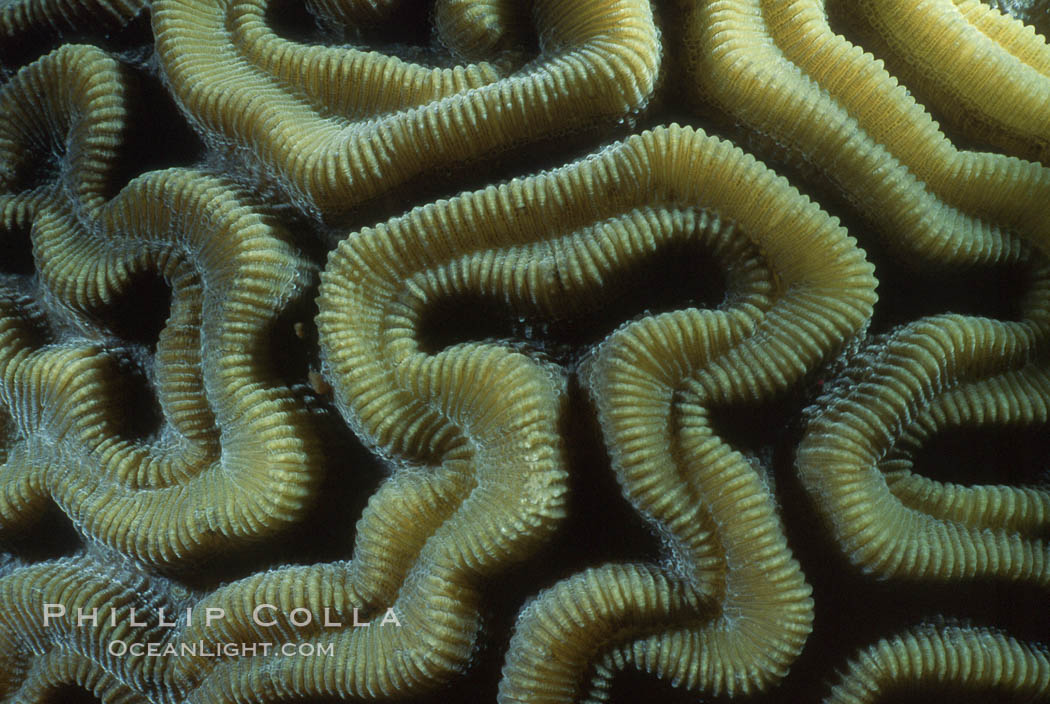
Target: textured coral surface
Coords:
[[586, 350]]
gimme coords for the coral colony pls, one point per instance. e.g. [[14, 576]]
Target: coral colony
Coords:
[[509, 350]]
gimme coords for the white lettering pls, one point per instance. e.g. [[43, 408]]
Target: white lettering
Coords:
[[213, 613], [257, 619], [300, 610], [327, 619], [161, 622], [82, 617], [53, 611]]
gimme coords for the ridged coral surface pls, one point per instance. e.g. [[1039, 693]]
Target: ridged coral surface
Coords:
[[524, 351]]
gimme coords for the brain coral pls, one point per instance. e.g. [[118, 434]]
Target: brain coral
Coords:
[[524, 351]]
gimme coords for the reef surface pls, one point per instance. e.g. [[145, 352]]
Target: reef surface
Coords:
[[550, 351]]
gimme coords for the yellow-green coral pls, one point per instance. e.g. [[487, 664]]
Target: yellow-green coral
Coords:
[[62, 117], [940, 372], [777, 65], [60, 17], [734, 611], [981, 660], [977, 61], [46, 645], [328, 111], [338, 126], [234, 458]]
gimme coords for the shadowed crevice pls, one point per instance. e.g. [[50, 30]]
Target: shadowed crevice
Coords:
[[139, 313], [16, 251], [972, 456]]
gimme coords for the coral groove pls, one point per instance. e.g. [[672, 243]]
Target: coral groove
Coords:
[[338, 126], [233, 459], [209, 373], [977, 659]]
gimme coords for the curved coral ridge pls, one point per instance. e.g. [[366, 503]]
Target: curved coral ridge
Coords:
[[59, 133], [19, 17], [36, 657], [337, 126], [735, 612], [1032, 12], [777, 65], [934, 203], [938, 373], [478, 29], [480, 417], [978, 659], [233, 459], [51, 674], [986, 66]]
